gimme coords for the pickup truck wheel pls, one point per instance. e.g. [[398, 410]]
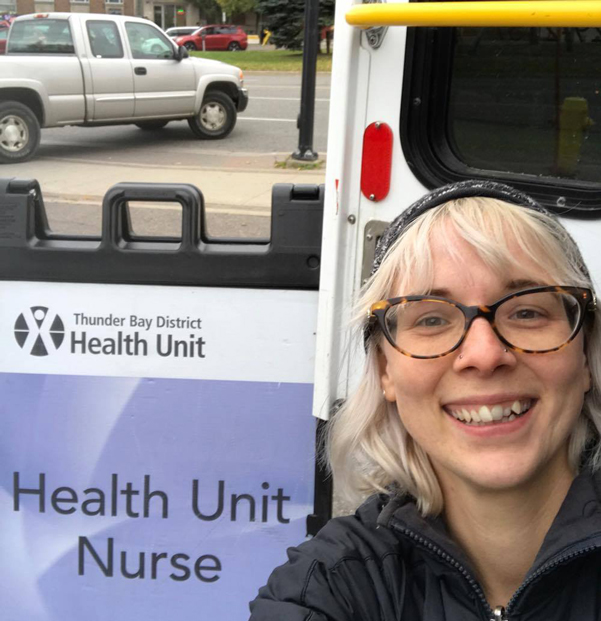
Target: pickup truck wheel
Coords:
[[216, 118], [19, 132], [151, 125]]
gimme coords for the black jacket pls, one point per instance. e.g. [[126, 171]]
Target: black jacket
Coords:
[[387, 563]]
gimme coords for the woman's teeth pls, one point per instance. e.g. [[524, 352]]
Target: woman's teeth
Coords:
[[487, 415]]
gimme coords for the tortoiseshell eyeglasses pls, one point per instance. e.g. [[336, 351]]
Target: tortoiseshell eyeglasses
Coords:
[[532, 321]]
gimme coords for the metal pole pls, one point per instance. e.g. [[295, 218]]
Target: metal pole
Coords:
[[307, 110]]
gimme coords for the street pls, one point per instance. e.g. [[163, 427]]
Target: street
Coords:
[[76, 165]]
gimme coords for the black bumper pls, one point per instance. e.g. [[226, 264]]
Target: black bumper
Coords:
[[242, 99]]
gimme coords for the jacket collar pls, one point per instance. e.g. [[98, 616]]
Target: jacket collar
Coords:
[[400, 514], [576, 525], [578, 522]]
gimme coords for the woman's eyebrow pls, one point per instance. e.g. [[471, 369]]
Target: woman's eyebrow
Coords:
[[441, 293], [516, 285], [510, 287]]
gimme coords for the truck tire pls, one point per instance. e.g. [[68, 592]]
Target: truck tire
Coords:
[[216, 117], [151, 125], [19, 133]]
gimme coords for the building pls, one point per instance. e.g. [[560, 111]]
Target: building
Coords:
[[114, 7], [164, 13], [168, 14], [7, 7]]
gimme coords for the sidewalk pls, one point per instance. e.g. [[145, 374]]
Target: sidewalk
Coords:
[[239, 184]]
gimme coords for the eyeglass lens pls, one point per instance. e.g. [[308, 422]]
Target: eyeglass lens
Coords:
[[537, 322]]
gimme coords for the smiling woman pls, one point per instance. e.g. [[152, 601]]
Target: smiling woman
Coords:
[[475, 428]]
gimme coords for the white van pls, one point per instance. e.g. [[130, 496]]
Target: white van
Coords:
[[415, 108]]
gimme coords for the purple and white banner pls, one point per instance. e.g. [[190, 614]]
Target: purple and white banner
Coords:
[[141, 484]]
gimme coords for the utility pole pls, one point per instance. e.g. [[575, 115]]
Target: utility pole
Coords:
[[306, 117]]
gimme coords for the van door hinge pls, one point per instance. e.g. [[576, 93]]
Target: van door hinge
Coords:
[[371, 236], [375, 35]]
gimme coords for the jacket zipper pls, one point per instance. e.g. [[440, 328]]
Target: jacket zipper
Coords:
[[500, 613]]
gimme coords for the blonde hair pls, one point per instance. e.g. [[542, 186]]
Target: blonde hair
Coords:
[[367, 446]]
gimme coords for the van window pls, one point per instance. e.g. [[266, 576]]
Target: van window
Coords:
[[41, 36], [520, 104]]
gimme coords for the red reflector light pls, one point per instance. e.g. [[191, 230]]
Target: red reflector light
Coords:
[[376, 162], [41, 16]]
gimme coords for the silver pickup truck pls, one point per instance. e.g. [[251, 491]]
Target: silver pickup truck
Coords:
[[85, 69]]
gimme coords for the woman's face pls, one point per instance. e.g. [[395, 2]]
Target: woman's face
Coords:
[[481, 373]]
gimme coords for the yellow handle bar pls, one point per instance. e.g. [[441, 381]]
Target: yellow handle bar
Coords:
[[513, 13]]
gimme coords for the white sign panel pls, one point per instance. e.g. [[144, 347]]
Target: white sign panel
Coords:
[[156, 448]]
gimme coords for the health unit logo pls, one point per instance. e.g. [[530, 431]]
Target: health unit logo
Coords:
[[39, 331]]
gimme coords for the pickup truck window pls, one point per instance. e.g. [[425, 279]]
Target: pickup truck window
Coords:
[[41, 36], [105, 41], [148, 42]]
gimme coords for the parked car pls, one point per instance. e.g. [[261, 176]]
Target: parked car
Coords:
[[215, 37], [179, 31], [3, 37], [84, 69]]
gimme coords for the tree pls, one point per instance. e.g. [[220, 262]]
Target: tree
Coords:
[[237, 6], [285, 20], [210, 11]]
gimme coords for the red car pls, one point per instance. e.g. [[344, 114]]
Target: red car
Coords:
[[3, 37], [217, 37]]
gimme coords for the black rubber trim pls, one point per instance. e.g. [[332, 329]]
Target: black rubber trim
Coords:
[[242, 100], [289, 259], [322, 502], [426, 145]]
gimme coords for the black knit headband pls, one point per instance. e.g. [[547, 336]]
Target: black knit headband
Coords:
[[463, 189]]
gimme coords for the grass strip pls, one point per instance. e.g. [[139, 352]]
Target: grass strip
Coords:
[[272, 60]]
